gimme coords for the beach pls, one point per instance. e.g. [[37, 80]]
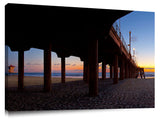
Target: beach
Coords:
[[128, 93], [12, 81]]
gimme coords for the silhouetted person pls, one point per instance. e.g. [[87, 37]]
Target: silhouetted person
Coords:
[[142, 73]]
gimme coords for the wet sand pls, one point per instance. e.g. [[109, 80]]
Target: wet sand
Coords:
[[128, 93]]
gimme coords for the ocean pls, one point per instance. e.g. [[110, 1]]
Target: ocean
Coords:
[[75, 75]]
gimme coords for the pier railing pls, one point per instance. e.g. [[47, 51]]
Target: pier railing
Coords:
[[124, 44], [117, 29]]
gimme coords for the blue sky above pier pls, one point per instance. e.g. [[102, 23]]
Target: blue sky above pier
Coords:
[[141, 25]]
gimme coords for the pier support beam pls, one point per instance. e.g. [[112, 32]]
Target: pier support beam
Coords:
[[20, 70], [47, 68], [111, 71], [129, 70], [93, 68], [135, 72], [104, 70], [126, 70], [122, 70], [63, 69], [86, 71], [115, 80]]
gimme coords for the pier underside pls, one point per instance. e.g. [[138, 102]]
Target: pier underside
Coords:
[[82, 32]]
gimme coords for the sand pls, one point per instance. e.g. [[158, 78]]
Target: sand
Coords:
[[12, 81], [128, 93]]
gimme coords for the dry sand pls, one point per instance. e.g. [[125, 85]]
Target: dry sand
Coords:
[[12, 81]]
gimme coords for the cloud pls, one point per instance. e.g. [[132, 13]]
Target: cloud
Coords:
[[78, 70], [32, 63], [28, 64], [36, 64], [74, 65], [57, 64]]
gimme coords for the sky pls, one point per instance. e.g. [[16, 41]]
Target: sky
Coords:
[[141, 25]]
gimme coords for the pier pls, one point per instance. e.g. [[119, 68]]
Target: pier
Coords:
[[86, 33]]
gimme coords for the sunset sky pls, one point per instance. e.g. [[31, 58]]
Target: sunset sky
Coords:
[[141, 25]]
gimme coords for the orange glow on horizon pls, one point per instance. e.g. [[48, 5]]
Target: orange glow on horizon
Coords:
[[148, 68], [78, 68]]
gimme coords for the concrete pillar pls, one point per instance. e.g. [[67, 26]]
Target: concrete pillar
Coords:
[[122, 70], [86, 71], [129, 70], [135, 72], [126, 70], [115, 80], [111, 71], [47, 68], [104, 70], [63, 69], [93, 68], [20, 70]]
